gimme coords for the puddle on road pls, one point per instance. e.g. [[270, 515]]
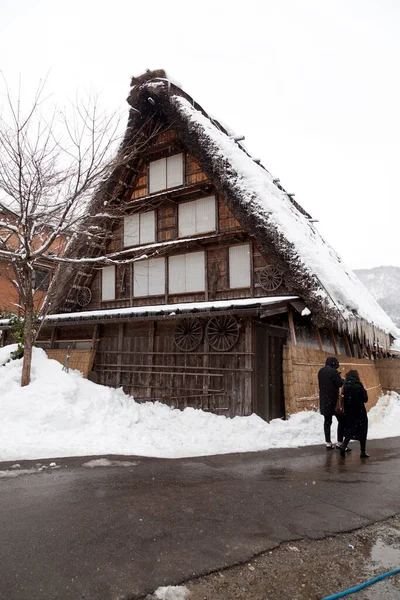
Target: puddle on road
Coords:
[[380, 554]]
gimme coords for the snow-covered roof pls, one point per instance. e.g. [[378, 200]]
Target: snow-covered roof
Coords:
[[163, 309], [279, 225], [168, 309]]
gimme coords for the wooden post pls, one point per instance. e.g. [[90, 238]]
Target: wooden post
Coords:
[[335, 348], [358, 347], [248, 377], [152, 334], [53, 338], [94, 346], [319, 339], [119, 355], [348, 347], [291, 327], [206, 377]]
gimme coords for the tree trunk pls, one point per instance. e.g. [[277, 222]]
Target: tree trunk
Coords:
[[28, 330]]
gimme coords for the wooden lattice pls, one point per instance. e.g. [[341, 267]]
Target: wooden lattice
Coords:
[[270, 278], [222, 332], [188, 334]]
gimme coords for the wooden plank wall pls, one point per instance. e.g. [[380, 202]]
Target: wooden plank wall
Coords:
[[143, 359]]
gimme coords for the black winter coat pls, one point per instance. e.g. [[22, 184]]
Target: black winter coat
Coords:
[[329, 384], [355, 414]]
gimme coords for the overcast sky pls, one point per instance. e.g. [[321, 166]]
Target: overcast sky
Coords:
[[314, 85]]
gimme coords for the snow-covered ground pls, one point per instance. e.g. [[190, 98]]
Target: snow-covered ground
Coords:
[[61, 414]]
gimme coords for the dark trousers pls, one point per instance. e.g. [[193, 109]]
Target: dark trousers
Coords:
[[328, 425], [363, 443]]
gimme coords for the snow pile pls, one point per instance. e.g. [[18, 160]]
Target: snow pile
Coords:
[[384, 417], [62, 414], [172, 592], [340, 288]]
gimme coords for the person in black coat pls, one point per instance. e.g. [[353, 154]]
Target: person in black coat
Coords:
[[330, 382], [355, 415]]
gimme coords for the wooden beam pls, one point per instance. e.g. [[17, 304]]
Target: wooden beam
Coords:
[[292, 330], [358, 347], [152, 334], [335, 348], [120, 349], [95, 341], [318, 335], [53, 338], [347, 343]]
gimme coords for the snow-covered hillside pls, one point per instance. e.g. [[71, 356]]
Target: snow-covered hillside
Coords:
[[384, 285], [62, 414]]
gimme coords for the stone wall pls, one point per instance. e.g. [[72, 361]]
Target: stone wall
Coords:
[[300, 376]]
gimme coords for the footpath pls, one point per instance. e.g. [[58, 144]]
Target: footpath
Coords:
[[116, 532]]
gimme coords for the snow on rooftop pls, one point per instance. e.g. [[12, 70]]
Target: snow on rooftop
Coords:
[[340, 288], [172, 309]]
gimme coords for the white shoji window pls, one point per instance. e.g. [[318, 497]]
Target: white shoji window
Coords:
[[239, 266], [166, 173], [186, 273], [108, 283], [149, 277], [140, 228], [197, 216]]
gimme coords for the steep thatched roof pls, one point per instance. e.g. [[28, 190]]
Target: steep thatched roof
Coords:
[[280, 227]]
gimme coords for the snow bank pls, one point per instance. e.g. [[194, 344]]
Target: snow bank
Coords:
[[62, 414]]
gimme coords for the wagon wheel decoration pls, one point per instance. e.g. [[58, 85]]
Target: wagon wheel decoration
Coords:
[[270, 278], [84, 296], [222, 332], [188, 334]]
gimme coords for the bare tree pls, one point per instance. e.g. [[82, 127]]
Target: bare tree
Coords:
[[54, 169]]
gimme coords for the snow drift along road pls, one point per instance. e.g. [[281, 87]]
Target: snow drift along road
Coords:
[[61, 414]]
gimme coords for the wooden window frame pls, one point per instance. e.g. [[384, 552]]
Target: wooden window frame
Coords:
[[115, 282], [166, 173], [133, 278], [185, 292], [243, 287], [145, 212], [196, 233]]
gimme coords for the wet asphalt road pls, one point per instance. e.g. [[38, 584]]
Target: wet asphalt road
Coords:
[[119, 532]]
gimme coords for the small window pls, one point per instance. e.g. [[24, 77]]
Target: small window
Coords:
[[239, 266], [186, 273], [140, 228], [41, 280], [197, 216], [108, 283], [166, 173], [149, 277]]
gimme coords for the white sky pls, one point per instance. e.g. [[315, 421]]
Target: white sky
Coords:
[[314, 85]]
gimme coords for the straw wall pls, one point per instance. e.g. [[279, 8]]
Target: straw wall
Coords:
[[300, 376], [389, 374], [82, 360]]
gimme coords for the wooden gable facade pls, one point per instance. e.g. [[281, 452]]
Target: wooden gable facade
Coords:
[[198, 253], [203, 308]]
